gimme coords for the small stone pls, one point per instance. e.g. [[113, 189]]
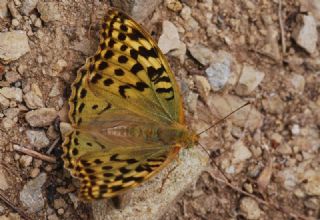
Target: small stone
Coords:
[[53, 217], [250, 78], [191, 24], [202, 54], [28, 6], [219, 70], [55, 91], [192, 100], [306, 34], [11, 112], [65, 128], [59, 203], [3, 181], [169, 39], [250, 208], [312, 203], [38, 23], [173, 5], [3, 8], [33, 101], [25, 161], [312, 187], [31, 194], [276, 138], [13, 10], [8, 123], [13, 45], [12, 93], [240, 152], [4, 102], [15, 22], [295, 130], [273, 104], [298, 83], [12, 77], [41, 117], [203, 85], [49, 11], [37, 139], [34, 172]]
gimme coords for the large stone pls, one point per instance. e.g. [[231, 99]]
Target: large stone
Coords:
[[201, 53], [37, 139], [147, 202], [49, 11], [13, 45], [28, 6], [12, 93], [41, 117], [169, 39], [306, 34], [31, 194]]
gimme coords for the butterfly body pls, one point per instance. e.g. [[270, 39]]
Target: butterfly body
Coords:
[[126, 112]]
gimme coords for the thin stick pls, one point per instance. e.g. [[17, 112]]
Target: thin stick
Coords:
[[222, 119], [53, 145], [283, 39], [11, 205], [33, 153]]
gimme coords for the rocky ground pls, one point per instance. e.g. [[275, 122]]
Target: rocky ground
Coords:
[[223, 53]]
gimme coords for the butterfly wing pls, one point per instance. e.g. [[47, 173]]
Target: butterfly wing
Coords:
[[127, 83]]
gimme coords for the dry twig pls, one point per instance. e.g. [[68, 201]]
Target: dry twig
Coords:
[[283, 39], [35, 154]]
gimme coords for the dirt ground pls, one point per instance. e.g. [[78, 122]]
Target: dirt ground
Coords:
[[276, 172]]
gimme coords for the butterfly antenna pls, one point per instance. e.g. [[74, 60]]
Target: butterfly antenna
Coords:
[[214, 163], [222, 119]]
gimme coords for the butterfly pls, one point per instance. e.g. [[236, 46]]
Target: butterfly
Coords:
[[126, 112]]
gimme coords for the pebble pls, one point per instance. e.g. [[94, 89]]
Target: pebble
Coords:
[[60, 65], [8, 123], [249, 80], [273, 104], [55, 91], [298, 83], [306, 34], [203, 86], [249, 116], [191, 24], [59, 203], [3, 8], [240, 152], [11, 112], [250, 208], [13, 10], [15, 22], [49, 11], [201, 53], [4, 102], [25, 161], [65, 128], [192, 101], [173, 5], [41, 117], [53, 217], [28, 6], [295, 130], [34, 172], [312, 186], [312, 6], [31, 194], [12, 77], [12, 93], [219, 70], [3, 181], [169, 39], [37, 139], [33, 101], [13, 45]]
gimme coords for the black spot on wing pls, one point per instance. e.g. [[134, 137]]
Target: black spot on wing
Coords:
[[122, 90], [147, 53], [136, 68], [141, 86], [96, 78]]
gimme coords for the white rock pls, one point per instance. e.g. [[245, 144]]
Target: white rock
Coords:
[[49, 11], [41, 117], [192, 100], [25, 161], [298, 83], [13, 45], [28, 6], [37, 139], [33, 101], [3, 181], [202, 54], [3, 8], [250, 208], [249, 80], [306, 34], [169, 39], [240, 152], [12, 93], [295, 130], [219, 70]]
